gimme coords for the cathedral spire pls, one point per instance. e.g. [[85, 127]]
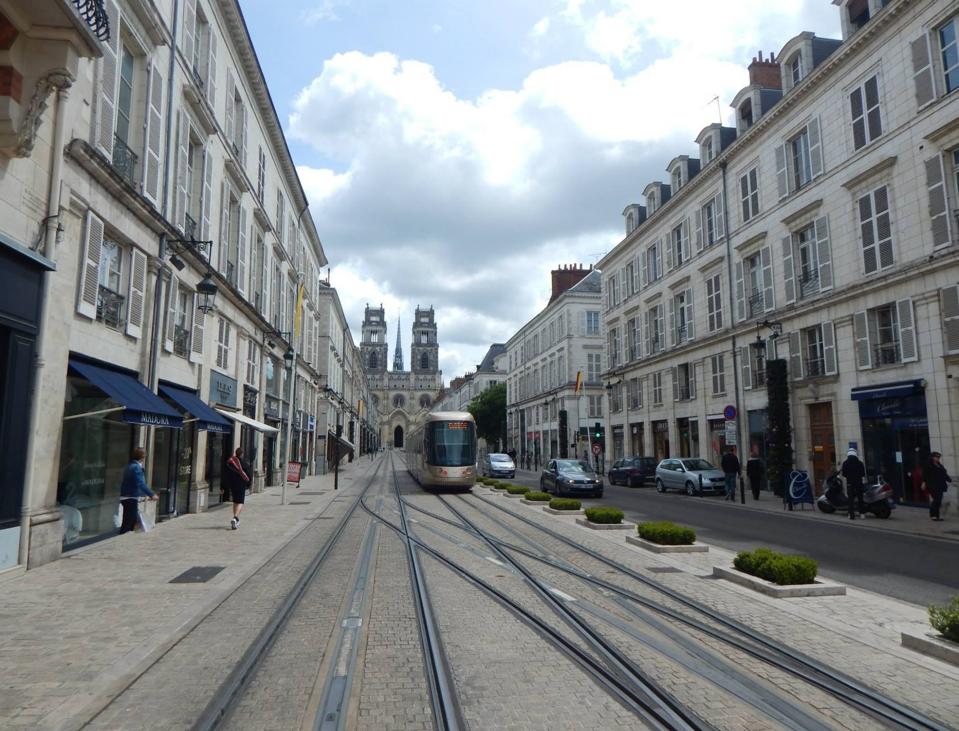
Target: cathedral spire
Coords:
[[398, 355]]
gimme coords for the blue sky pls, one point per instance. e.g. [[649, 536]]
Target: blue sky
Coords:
[[492, 141]]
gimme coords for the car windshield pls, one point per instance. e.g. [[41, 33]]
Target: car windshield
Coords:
[[697, 465], [499, 458], [572, 465]]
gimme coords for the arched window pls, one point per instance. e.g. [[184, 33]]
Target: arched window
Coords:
[[424, 361], [373, 359], [398, 401], [424, 401]]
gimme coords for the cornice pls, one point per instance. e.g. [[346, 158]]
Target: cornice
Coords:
[[861, 177]]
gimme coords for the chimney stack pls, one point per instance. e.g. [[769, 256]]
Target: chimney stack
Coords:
[[765, 74], [566, 276]]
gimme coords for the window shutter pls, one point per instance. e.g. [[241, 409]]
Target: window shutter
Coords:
[[242, 254], [89, 290], [699, 229], [823, 253], [675, 373], [740, 292], [907, 331], [883, 227], [718, 204], [153, 135], [659, 258], [647, 334], [692, 381], [644, 274], [242, 119], [789, 273], [685, 232], [815, 148], [196, 340], [795, 356], [582, 322], [949, 309], [636, 266], [870, 263], [671, 320], [136, 293], [782, 172], [210, 80], [182, 157], [746, 366], [765, 259], [861, 333], [922, 71], [690, 315], [207, 201], [189, 31], [938, 210], [669, 252], [109, 76], [829, 348], [224, 241], [230, 117], [171, 292]]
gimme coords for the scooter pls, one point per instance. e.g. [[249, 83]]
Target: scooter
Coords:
[[876, 499], [833, 496]]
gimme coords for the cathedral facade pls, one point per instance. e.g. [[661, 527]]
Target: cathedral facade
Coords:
[[402, 396]]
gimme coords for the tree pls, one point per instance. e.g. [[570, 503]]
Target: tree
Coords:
[[489, 410], [779, 461]]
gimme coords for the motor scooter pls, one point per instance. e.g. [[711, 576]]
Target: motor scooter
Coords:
[[876, 499]]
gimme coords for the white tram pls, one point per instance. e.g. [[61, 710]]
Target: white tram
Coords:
[[441, 452]]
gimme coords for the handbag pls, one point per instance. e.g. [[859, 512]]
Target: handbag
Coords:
[[146, 525], [118, 516]]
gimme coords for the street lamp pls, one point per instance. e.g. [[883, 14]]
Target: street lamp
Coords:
[[207, 291]]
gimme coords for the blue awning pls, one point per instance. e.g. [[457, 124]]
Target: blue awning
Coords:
[[206, 418], [897, 389], [141, 405]]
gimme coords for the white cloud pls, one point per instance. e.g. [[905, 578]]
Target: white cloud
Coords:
[[541, 28], [325, 11]]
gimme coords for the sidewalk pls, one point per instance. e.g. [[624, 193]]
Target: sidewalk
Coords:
[[78, 630]]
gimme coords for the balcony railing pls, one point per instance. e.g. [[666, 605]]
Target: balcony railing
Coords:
[[110, 308], [189, 227], [681, 332], [181, 341], [755, 304], [684, 393], [808, 283], [95, 16], [124, 160], [815, 367], [759, 376], [886, 354]]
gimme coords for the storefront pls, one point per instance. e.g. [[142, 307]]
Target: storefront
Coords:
[[248, 435], [636, 439], [618, 442], [758, 426], [219, 445], [895, 433], [271, 415], [688, 431], [717, 438], [104, 406], [660, 440]]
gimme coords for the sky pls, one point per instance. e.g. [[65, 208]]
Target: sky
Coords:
[[454, 151]]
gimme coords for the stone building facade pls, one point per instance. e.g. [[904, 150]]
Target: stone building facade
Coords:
[[821, 230], [401, 397]]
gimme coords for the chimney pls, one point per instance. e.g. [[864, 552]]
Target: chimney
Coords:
[[565, 277], [765, 74]]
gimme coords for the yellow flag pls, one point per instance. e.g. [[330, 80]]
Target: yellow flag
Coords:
[[579, 382], [298, 312]]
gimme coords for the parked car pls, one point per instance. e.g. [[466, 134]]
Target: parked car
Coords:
[[570, 477], [498, 465], [632, 471], [691, 475]]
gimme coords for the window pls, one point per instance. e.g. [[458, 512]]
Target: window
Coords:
[[654, 263], [678, 245], [616, 398], [677, 179], [260, 175], [885, 335], [718, 368], [799, 157], [655, 326], [714, 303], [223, 345], [399, 401], [796, 68], [746, 115], [633, 338], [876, 230], [799, 160], [595, 407], [749, 193], [110, 265], [885, 327], [181, 327], [252, 363], [125, 96], [949, 48], [630, 222], [629, 281], [684, 382], [807, 261], [754, 287], [657, 388], [709, 223], [109, 277], [613, 343], [706, 150], [635, 393], [866, 120], [592, 322], [594, 366], [651, 202], [813, 355], [858, 11], [681, 317]]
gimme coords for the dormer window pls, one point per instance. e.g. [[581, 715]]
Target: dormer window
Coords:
[[706, 150], [858, 13], [651, 202], [677, 179], [746, 114], [795, 68], [630, 222]]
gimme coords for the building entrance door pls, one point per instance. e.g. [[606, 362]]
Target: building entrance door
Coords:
[[822, 441], [398, 437]]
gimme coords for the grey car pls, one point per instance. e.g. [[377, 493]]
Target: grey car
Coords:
[[691, 475]]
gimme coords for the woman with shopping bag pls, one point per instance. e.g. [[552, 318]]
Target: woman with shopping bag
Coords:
[[133, 487]]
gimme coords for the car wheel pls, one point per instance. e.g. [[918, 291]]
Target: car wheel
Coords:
[[630, 482], [660, 487], [690, 489]]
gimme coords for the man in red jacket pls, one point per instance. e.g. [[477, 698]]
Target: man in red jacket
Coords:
[[237, 481]]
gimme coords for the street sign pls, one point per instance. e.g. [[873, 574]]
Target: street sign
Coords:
[[729, 413], [596, 449], [730, 433]]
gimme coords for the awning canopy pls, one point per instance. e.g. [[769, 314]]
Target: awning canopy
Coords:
[[344, 442], [897, 389], [140, 404], [240, 418], [206, 418]]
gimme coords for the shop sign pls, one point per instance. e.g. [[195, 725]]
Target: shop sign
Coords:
[[311, 423], [249, 401], [145, 417], [271, 408], [730, 433], [222, 389]]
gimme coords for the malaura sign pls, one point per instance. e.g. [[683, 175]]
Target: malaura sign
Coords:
[[293, 471]]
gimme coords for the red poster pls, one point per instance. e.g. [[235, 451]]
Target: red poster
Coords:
[[293, 471]]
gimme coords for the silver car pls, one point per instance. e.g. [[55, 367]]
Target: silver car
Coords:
[[691, 475], [498, 465]]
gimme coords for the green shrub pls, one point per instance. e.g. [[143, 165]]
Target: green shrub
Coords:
[[484, 480], [540, 497], [517, 489], [666, 534], [565, 503], [945, 620], [777, 567], [604, 515], [497, 485]]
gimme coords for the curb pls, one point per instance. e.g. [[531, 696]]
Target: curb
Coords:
[[932, 646], [820, 588], [534, 502], [605, 526], [660, 548], [553, 511]]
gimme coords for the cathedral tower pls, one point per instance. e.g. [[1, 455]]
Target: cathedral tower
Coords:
[[425, 350], [374, 347], [398, 354]]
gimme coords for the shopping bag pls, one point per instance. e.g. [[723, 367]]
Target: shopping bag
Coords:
[[118, 516], [146, 525]]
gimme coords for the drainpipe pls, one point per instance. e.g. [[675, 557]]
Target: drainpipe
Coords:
[[61, 89], [732, 309]]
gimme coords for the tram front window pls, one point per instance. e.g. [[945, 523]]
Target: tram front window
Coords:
[[451, 443]]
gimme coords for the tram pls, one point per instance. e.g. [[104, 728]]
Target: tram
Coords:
[[441, 452]]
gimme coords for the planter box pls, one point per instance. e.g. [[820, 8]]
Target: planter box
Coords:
[[552, 511], [541, 503], [660, 548], [933, 646], [605, 526], [518, 495], [819, 588]]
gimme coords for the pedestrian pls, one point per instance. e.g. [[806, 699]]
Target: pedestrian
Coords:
[[236, 480], [755, 472], [132, 488], [855, 473], [731, 468], [937, 480], [919, 493]]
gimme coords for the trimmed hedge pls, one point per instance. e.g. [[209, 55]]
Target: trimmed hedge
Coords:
[[604, 515], [517, 489], [540, 497], [666, 534], [945, 620], [565, 503], [776, 567], [497, 485]]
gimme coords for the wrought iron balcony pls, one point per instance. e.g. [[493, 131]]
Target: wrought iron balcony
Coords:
[[756, 304], [759, 376], [190, 230], [181, 341], [684, 393], [110, 308], [231, 272], [808, 283], [124, 160], [885, 354], [815, 367], [681, 334], [95, 16]]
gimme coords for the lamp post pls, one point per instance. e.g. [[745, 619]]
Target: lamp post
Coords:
[[289, 359]]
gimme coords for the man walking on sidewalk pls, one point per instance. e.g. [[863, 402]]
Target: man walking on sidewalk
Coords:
[[237, 481], [731, 468], [855, 473], [133, 487], [937, 480]]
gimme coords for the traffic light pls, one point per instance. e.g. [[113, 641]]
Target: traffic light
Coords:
[[598, 431]]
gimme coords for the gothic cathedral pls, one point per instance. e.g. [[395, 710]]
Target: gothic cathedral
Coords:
[[402, 396]]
